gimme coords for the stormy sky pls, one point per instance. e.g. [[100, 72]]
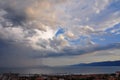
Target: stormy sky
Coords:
[[58, 32]]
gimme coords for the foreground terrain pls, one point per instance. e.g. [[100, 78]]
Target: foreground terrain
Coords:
[[16, 76]]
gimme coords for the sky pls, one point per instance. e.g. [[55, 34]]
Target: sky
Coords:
[[58, 32]]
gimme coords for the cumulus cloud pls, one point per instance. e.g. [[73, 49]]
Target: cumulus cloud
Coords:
[[50, 28]]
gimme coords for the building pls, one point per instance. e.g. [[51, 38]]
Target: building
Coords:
[[118, 74]]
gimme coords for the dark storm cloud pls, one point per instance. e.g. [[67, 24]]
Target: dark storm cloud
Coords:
[[73, 52], [14, 12], [14, 54], [14, 17], [93, 49]]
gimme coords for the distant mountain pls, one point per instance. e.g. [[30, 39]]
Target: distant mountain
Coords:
[[106, 63]]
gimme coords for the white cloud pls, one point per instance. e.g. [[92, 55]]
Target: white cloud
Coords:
[[15, 34]]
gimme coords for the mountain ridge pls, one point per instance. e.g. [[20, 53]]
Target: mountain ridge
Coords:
[[104, 63]]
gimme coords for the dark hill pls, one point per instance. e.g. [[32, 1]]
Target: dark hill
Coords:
[[106, 63]]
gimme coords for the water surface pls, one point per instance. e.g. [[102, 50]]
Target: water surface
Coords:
[[64, 70]]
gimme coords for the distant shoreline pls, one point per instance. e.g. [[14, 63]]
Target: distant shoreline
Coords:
[[65, 70]]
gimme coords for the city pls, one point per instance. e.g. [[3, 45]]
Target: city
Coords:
[[16, 76]]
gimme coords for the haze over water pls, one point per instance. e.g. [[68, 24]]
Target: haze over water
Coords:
[[66, 70]]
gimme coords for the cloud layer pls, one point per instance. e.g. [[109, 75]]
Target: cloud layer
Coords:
[[32, 31]]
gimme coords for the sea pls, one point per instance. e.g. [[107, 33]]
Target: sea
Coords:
[[64, 70]]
